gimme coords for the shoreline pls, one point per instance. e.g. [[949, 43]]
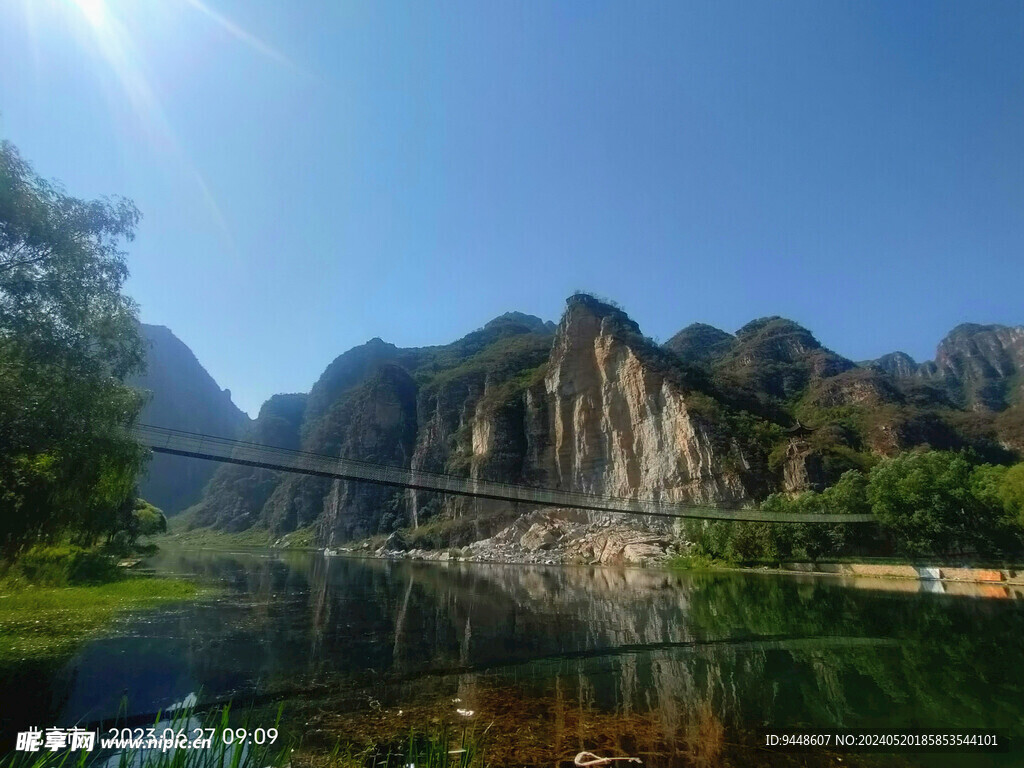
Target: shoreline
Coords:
[[550, 537], [46, 624]]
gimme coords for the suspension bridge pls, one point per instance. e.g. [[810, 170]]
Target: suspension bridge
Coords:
[[179, 443]]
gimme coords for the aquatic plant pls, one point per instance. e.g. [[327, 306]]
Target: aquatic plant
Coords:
[[224, 750], [47, 623], [445, 747]]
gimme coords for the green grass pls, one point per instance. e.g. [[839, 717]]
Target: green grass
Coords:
[[697, 563], [64, 565], [208, 538], [38, 623]]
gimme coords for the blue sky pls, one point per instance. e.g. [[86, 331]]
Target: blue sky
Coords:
[[313, 174]]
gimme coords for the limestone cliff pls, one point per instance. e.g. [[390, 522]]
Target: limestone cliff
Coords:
[[898, 364], [978, 369], [235, 494], [402, 407], [376, 422], [619, 424], [981, 367], [594, 406]]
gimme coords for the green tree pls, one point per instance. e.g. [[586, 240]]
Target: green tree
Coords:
[[816, 540], [1011, 491], [136, 518], [148, 520], [849, 496], [68, 339], [936, 502]]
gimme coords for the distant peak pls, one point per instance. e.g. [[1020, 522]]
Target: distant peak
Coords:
[[700, 342], [771, 326], [289, 403], [898, 356], [532, 322], [159, 333], [898, 364], [601, 308], [973, 329], [704, 328], [703, 332]]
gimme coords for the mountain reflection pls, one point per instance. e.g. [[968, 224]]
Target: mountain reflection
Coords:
[[692, 660]]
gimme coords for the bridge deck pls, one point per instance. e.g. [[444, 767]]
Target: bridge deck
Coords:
[[180, 443]]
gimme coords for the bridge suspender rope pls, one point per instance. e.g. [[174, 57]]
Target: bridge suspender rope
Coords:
[[172, 441]]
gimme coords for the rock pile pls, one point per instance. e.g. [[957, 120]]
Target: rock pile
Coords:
[[556, 536]]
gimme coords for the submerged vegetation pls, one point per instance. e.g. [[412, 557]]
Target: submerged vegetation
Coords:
[[46, 623], [443, 746]]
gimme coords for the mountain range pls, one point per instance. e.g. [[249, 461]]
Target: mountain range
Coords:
[[589, 404], [182, 395]]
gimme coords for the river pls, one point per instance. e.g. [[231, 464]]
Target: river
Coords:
[[679, 668]]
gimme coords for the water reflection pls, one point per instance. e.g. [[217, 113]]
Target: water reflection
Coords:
[[678, 665]]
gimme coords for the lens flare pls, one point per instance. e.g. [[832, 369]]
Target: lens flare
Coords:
[[240, 34], [107, 33]]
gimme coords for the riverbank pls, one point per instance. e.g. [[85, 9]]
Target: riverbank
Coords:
[[969, 582], [542, 537], [46, 623], [572, 537], [178, 533]]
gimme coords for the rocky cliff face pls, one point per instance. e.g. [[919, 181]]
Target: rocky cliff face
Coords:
[[983, 363], [898, 364], [236, 494], [182, 396], [376, 422], [619, 425], [589, 406], [458, 408], [592, 405], [981, 367]]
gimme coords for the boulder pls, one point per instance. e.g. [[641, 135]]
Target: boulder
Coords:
[[804, 468], [640, 552], [394, 543], [540, 536], [628, 547]]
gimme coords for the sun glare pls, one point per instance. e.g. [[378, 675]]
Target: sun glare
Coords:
[[110, 31], [95, 11]]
